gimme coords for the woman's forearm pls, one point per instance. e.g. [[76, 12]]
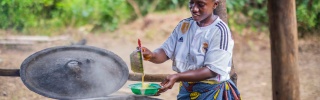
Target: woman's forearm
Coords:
[[158, 56], [196, 75]]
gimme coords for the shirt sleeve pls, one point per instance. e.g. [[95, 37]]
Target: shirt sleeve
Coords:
[[169, 45], [217, 58]]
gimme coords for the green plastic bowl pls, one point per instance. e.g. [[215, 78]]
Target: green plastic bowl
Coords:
[[151, 90]]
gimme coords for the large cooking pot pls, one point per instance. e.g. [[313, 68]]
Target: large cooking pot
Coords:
[[75, 72]]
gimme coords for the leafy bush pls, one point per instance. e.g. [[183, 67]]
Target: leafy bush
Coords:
[[25, 15], [160, 5], [20, 14], [46, 16], [308, 15], [247, 13], [254, 14]]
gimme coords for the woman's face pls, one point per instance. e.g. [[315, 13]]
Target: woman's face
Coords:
[[201, 9]]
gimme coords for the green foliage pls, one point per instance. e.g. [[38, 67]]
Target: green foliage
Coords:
[[14, 14], [47, 16], [26, 15], [253, 14], [106, 14], [160, 5], [308, 14], [247, 13]]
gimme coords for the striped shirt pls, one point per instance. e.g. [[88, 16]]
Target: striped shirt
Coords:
[[192, 47]]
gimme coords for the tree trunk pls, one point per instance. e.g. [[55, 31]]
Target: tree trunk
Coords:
[[221, 11], [284, 49]]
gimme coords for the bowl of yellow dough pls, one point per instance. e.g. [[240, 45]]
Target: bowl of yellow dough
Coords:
[[145, 89]]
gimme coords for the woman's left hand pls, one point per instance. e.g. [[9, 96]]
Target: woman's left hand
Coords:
[[168, 83]]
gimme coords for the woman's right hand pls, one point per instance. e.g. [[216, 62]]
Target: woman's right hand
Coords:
[[147, 54], [168, 83]]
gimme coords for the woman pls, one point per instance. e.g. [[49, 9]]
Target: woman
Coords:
[[201, 50]]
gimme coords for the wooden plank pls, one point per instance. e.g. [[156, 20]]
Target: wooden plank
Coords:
[[33, 38], [132, 77], [2, 42], [147, 77], [284, 49], [9, 72]]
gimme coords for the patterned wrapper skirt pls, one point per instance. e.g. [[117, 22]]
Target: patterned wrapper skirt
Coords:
[[208, 90]]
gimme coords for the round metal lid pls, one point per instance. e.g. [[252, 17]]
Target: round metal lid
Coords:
[[74, 72]]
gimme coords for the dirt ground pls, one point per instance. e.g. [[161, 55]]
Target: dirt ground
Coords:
[[252, 58]]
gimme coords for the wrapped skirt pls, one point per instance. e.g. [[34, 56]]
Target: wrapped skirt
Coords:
[[208, 90]]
